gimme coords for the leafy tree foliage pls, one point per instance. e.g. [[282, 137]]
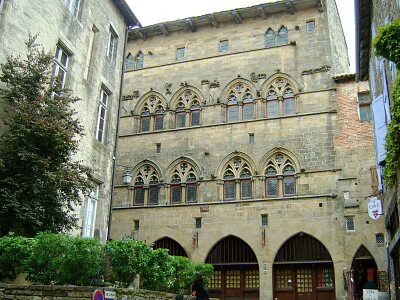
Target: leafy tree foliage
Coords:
[[39, 182], [387, 44]]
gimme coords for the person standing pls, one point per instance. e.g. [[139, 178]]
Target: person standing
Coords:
[[198, 289]]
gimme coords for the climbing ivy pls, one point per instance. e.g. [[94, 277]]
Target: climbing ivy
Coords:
[[387, 45]]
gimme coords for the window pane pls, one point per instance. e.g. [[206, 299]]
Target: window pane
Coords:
[[129, 62], [180, 120], [325, 277], [159, 122], [248, 111], [272, 107], [282, 36], [139, 196], [233, 113], [288, 186], [311, 26], [195, 115], [191, 193], [270, 38], [176, 194], [229, 190], [180, 53], [365, 113], [223, 46], [350, 223], [145, 124], [245, 188], [153, 195], [272, 187], [139, 61], [288, 107]]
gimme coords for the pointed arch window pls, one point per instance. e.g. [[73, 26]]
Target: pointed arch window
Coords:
[[146, 187], [270, 38], [129, 62], [188, 109], [145, 120], [152, 114], [237, 180], [184, 184], [280, 98], [280, 177], [139, 61], [240, 103], [282, 36]]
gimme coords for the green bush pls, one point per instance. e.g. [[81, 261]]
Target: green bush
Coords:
[[14, 251], [157, 272], [63, 259]]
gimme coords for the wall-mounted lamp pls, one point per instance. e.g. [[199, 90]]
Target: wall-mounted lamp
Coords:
[[127, 177]]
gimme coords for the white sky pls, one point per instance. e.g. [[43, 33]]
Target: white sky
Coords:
[[155, 11]]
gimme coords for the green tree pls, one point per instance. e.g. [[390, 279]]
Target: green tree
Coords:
[[39, 181], [387, 44]]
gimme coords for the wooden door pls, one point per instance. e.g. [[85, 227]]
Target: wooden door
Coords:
[[304, 286]]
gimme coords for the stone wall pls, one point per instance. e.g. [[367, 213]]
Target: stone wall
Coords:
[[55, 292]]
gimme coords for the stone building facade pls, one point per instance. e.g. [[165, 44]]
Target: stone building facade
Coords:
[[370, 15], [87, 38], [242, 135]]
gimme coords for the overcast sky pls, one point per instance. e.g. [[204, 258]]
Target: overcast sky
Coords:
[[155, 11]]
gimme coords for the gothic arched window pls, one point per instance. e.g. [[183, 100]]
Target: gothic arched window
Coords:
[[129, 62], [270, 38], [184, 183], [139, 61], [187, 110], [280, 98], [282, 36], [240, 103], [237, 179], [280, 176], [146, 186], [152, 114]]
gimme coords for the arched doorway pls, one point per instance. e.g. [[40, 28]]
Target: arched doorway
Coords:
[[303, 269], [362, 262], [173, 246], [236, 272]]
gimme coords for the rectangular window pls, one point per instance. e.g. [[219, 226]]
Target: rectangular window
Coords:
[[180, 53], [73, 6], [380, 238], [139, 196], [176, 194], [365, 112], [112, 44], [195, 118], [223, 45], [248, 111], [288, 107], [144, 124], [310, 26], [191, 193], [101, 116], [251, 138], [158, 148], [325, 277], [288, 186], [136, 225], [198, 223], [245, 188], [272, 108], [350, 223], [180, 119], [90, 214], [153, 195], [61, 65], [264, 220], [229, 190], [233, 113], [272, 187], [159, 122]]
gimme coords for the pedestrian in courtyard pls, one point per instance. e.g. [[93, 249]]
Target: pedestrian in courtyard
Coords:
[[198, 289]]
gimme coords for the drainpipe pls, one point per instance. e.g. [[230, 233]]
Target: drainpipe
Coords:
[[117, 135]]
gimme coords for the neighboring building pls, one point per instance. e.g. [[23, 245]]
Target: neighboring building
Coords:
[[88, 39], [251, 149], [370, 15]]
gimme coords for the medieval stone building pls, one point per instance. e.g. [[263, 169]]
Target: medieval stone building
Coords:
[[381, 73], [244, 141], [87, 38]]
